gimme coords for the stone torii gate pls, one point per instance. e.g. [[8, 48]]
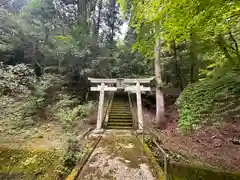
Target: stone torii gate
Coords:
[[126, 85]]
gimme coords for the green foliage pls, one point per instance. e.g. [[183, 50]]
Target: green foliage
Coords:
[[199, 43], [31, 5], [127, 63], [72, 155], [41, 95], [68, 115], [178, 19], [209, 101], [70, 159], [16, 80], [205, 32], [67, 110], [11, 32], [43, 34], [32, 106]]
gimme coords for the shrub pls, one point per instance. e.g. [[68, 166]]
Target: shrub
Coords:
[[16, 80], [210, 100], [66, 101], [41, 94], [67, 113]]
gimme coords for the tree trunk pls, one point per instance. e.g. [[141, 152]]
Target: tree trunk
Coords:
[[194, 69], [160, 110], [235, 44], [113, 18], [82, 10], [46, 35], [98, 19], [221, 43], [37, 67], [177, 65]]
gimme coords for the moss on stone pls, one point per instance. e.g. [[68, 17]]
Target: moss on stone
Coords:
[[30, 163], [191, 172]]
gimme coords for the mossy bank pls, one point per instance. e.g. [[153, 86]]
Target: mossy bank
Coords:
[[29, 164]]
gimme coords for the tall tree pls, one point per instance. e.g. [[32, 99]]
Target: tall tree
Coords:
[[194, 64], [112, 19], [177, 64], [160, 109], [110, 22], [97, 26]]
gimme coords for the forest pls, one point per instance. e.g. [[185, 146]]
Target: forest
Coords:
[[49, 49]]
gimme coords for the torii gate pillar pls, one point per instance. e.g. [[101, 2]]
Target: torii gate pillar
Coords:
[[100, 108], [139, 107], [138, 89], [102, 88]]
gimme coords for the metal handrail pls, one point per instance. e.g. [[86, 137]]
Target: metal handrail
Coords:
[[134, 116], [105, 118], [166, 156]]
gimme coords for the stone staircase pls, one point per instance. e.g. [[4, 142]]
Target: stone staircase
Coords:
[[120, 116]]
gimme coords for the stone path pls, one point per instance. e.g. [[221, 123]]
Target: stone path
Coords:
[[118, 156]]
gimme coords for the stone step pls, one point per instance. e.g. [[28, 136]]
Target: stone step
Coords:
[[119, 127], [114, 102], [119, 120], [127, 115], [120, 108], [120, 117], [127, 105], [120, 104], [119, 124], [120, 113]]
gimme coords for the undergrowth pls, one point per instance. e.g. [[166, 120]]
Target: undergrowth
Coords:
[[31, 105], [33, 100], [210, 101], [42, 96], [68, 110], [16, 80]]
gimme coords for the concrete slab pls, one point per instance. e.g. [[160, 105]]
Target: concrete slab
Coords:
[[118, 156]]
